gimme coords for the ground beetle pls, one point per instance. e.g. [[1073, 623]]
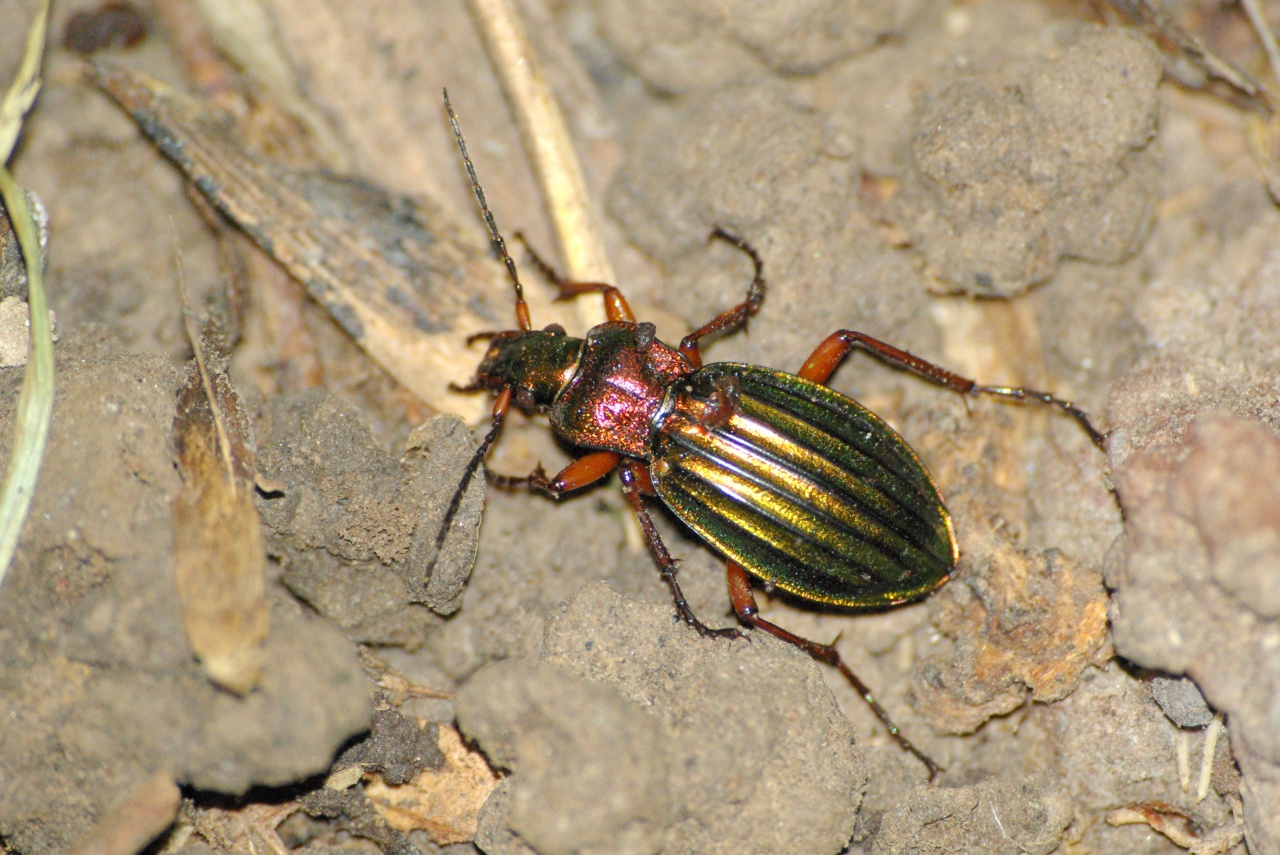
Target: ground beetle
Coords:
[[795, 484]]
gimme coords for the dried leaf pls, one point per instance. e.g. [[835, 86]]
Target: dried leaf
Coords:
[[218, 550], [1181, 829], [445, 802], [251, 828]]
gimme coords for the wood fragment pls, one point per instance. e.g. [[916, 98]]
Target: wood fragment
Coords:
[[133, 823], [1182, 46], [399, 276]]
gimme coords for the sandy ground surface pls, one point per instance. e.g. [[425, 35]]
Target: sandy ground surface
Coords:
[[1018, 192]]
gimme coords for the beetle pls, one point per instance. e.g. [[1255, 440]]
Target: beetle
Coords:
[[792, 482]]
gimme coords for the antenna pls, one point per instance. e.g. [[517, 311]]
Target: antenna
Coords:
[[499, 245]]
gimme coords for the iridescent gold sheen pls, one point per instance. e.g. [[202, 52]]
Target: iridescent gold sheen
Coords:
[[805, 488], [617, 389]]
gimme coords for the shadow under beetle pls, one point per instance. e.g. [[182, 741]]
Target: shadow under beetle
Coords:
[[794, 483]]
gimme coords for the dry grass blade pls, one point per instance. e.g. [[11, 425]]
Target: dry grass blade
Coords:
[[35, 404], [1258, 18]]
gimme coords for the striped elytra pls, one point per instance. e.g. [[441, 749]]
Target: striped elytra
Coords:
[[804, 487]]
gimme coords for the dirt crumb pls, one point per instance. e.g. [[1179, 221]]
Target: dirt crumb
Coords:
[[356, 526], [1014, 816], [97, 666], [621, 698], [1194, 591], [677, 48], [1013, 169]]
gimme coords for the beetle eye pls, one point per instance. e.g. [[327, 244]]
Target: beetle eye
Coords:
[[555, 329]]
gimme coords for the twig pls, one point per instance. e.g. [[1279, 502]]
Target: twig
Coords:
[[547, 139], [1268, 39]]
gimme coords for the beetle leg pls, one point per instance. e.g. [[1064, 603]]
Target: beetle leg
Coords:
[[535, 480], [836, 347], [583, 472], [744, 603], [587, 469], [616, 307], [731, 319], [501, 405], [642, 481], [487, 335], [631, 488], [722, 404]]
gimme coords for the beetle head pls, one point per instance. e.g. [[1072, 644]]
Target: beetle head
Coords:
[[536, 364]]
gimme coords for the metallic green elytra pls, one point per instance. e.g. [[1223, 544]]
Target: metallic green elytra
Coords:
[[805, 488]]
